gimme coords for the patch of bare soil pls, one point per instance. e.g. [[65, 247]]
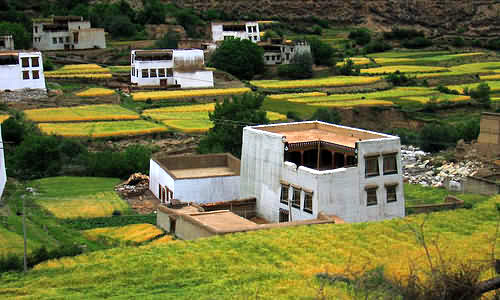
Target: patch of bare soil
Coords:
[[136, 192]]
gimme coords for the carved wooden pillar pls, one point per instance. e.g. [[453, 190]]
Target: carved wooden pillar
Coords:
[[319, 156]]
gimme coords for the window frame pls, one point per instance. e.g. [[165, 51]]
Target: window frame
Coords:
[[370, 192], [26, 75], [306, 195], [161, 73], [35, 62], [287, 188], [153, 73], [372, 173], [54, 40], [393, 157], [35, 74], [296, 195], [144, 72], [391, 186], [25, 62]]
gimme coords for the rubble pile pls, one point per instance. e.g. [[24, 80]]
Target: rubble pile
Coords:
[[135, 185], [420, 168]]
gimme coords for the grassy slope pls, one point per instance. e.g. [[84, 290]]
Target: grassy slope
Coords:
[[279, 263]]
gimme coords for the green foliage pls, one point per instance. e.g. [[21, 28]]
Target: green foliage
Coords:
[[481, 94], [360, 36], [402, 34], [115, 221], [169, 41], [229, 118], [121, 26], [293, 116], [377, 46], [48, 65], [22, 37], [458, 42], [13, 130], [270, 34], [400, 79], [321, 51], [493, 44], [417, 43], [241, 58], [446, 90], [317, 30], [300, 67], [190, 21], [327, 115], [348, 68], [110, 163], [154, 12], [432, 104], [435, 137]]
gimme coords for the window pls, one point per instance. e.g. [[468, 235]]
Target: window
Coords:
[[25, 62], [308, 202], [371, 196], [391, 193], [36, 29], [61, 40], [287, 56], [255, 29], [2, 44], [153, 73], [283, 215], [54, 40], [296, 197], [170, 72], [371, 166], [161, 72], [278, 57], [390, 165], [145, 73], [26, 75], [35, 74], [67, 39], [255, 38], [284, 194], [133, 71], [267, 57], [35, 62], [249, 29]]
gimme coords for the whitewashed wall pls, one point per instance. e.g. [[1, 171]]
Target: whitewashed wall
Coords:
[[77, 25], [3, 174], [89, 39], [11, 76], [207, 190], [46, 40], [196, 79], [159, 176], [218, 34]]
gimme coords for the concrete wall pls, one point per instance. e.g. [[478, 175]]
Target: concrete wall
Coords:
[[78, 25], [207, 190], [218, 34], [197, 79], [158, 176], [150, 81], [186, 230], [3, 174], [47, 40], [476, 185], [8, 42], [490, 129], [90, 39], [287, 54], [11, 76], [338, 192], [163, 221]]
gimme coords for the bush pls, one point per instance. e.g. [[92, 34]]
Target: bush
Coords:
[[436, 137], [10, 262], [292, 115], [360, 36], [399, 79], [241, 58], [300, 67], [402, 34], [13, 130], [446, 90], [110, 163], [348, 68], [417, 43], [322, 52], [327, 115], [377, 46], [458, 42], [493, 44], [481, 94], [169, 41]]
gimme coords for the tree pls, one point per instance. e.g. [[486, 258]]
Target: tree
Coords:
[[327, 115], [360, 36], [229, 118], [481, 94], [169, 41], [300, 67], [321, 51], [121, 26], [242, 58]]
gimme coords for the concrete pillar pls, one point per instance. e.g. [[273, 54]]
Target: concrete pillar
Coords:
[[302, 157]]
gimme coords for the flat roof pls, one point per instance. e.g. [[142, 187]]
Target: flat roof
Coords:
[[315, 131], [222, 220], [199, 166]]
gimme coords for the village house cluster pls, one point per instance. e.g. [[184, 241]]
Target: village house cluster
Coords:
[[296, 172]]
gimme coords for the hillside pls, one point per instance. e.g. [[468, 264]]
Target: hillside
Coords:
[[471, 18], [270, 264]]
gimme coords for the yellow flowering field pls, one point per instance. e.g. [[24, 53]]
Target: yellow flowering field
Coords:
[[89, 76], [295, 95], [494, 86], [85, 197], [403, 69], [358, 61], [3, 118], [95, 92], [389, 60], [162, 95], [353, 103], [190, 126], [11, 242], [138, 233], [163, 240], [491, 77], [79, 69], [333, 81], [441, 98], [101, 129], [98, 112]]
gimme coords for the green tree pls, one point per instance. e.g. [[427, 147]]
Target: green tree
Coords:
[[327, 115], [360, 36], [22, 39], [321, 51], [229, 118], [481, 94], [121, 26], [300, 67], [242, 58], [169, 41]]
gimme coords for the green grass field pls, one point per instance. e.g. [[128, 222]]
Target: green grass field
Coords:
[[416, 194], [101, 129], [270, 264], [73, 197]]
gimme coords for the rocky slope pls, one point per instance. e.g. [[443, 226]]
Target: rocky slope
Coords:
[[469, 18]]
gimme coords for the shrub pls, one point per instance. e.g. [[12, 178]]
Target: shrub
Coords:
[[292, 115], [458, 42], [242, 58], [10, 262], [377, 46], [348, 68], [360, 36], [435, 137], [300, 67], [417, 43], [446, 90], [481, 94], [13, 130], [322, 52], [399, 79], [493, 44], [169, 41], [327, 115], [402, 34]]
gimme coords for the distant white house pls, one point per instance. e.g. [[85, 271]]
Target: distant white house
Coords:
[[6, 42], [21, 70], [298, 170], [3, 174], [235, 30], [195, 178], [66, 33], [278, 52], [170, 68]]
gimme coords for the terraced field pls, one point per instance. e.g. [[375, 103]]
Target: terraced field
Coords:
[[494, 86], [99, 112], [164, 95], [137, 233], [402, 69], [95, 92], [101, 129], [82, 71], [334, 81], [85, 197]]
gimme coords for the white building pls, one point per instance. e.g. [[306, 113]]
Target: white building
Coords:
[[21, 70], [66, 33], [3, 174], [195, 178], [236, 30], [170, 68], [6, 42], [298, 170], [282, 52]]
